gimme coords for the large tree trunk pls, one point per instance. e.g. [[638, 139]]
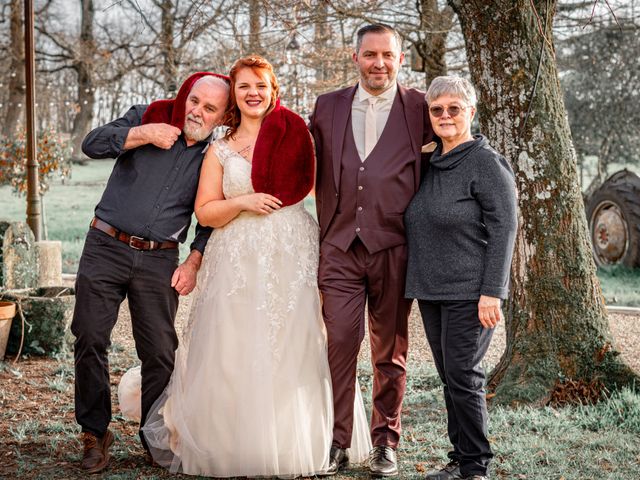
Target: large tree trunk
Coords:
[[169, 67], [16, 79], [255, 17], [432, 47], [557, 326], [321, 36], [85, 69]]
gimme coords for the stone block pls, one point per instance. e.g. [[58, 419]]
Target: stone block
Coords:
[[49, 253], [19, 259]]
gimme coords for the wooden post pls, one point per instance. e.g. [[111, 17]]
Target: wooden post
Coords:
[[33, 187]]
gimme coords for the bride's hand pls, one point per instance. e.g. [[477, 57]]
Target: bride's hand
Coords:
[[261, 203]]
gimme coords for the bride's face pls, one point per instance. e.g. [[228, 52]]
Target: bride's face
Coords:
[[253, 93]]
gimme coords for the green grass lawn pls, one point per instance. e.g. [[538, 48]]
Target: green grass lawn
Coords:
[[620, 285], [69, 208]]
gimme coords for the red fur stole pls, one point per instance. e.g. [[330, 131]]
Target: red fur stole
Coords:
[[283, 157]]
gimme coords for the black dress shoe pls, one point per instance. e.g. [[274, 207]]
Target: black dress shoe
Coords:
[[383, 462], [451, 471], [338, 459], [148, 458]]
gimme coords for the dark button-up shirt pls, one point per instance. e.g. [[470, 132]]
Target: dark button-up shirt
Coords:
[[151, 191]]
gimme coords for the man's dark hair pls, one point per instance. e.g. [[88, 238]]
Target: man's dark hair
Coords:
[[377, 28]]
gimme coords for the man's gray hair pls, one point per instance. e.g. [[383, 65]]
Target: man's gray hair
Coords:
[[213, 81], [452, 85]]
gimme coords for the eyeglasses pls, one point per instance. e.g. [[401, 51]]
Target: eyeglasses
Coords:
[[452, 110]]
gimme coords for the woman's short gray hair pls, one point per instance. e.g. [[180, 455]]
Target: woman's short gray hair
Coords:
[[454, 86]]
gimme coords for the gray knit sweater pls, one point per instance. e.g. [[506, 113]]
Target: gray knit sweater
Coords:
[[461, 225]]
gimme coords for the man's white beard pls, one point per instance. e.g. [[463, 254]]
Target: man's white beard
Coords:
[[196, 134]]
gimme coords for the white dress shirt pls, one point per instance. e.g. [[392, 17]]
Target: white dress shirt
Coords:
[[359, 110]]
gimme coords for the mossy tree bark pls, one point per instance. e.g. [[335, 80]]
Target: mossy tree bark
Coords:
[[557, 326]]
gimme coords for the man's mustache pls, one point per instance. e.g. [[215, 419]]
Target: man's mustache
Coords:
[[193, 118]]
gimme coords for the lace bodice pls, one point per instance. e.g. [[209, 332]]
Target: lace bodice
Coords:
[[237, 170]]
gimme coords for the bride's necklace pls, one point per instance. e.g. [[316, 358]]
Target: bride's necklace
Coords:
[[246, 151], [242, 137]]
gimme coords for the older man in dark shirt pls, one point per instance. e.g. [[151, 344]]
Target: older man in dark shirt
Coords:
[[131, 248]]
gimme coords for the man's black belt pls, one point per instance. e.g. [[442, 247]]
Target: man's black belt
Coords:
[[137, 243]]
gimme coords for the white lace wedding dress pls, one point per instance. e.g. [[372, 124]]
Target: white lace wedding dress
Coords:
[[251, 391]]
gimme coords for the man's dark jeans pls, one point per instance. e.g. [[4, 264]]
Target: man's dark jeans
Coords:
[[109, 271], [459, 342]]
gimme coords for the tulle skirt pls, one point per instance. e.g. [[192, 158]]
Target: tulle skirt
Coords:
[[251, 391]]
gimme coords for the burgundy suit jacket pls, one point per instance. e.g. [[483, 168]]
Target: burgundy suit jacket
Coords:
[[328, 123]]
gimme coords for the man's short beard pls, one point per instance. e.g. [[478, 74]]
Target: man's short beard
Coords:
[[196, 134], [378, 87], [368, 81]]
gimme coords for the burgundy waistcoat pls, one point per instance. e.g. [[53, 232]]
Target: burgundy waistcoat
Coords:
[[374, 194]]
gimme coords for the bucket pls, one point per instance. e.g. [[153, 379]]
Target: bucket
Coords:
[[7, 312]]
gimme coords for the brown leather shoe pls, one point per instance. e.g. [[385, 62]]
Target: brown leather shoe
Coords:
[[383, 462], [338, 460], [96, 451]]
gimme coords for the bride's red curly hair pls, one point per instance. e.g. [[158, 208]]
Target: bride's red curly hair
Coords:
[[262, 68]]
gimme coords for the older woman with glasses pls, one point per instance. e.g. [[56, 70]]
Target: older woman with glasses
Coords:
[[461, 228]]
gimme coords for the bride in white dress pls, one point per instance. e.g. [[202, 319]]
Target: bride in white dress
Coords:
[[251, 391]]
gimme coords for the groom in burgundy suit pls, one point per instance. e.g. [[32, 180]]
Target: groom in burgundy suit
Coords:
[[368, 141]]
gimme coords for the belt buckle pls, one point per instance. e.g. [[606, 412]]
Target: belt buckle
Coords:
[[132, 239]]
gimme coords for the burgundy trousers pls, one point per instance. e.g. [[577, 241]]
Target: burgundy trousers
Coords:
[[348, 281]]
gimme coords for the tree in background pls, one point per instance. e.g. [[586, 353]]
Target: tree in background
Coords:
[[557, 326], [317, 51], [16, 87], [173, 38], [53, 160], [88, 50], [84, 65], [601, 81]]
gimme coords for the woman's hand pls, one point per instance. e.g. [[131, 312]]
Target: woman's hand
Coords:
[[489, 311], [261, 203]]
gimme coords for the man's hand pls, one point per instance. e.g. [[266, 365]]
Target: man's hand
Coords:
[[489, 311], [184, 277], [162, 135]]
